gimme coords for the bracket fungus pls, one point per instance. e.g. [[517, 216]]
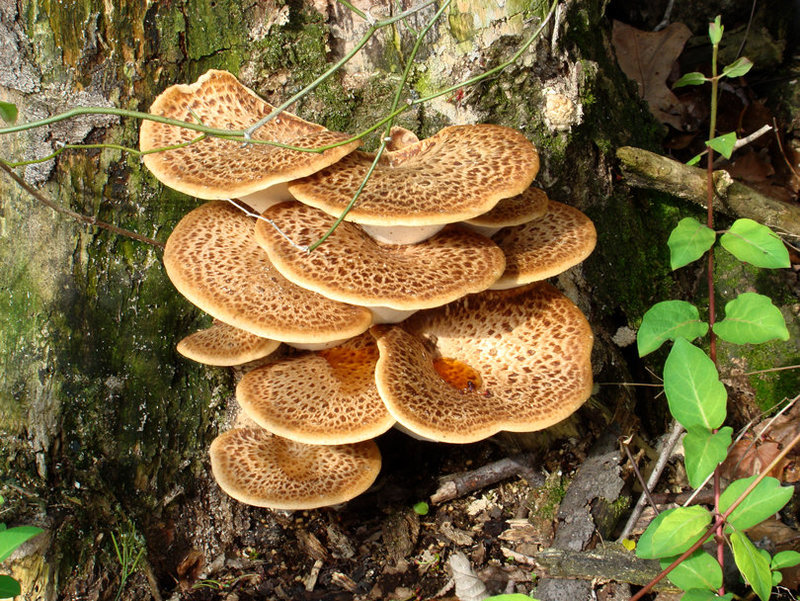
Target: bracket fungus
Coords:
[[471, 362], [545, 247], [225, 345], [323, 397], [457, 174], [259, 468], [529, 350], [213, 260], [353, 268], [214, 168]]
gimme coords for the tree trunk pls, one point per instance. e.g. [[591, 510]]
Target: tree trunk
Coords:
[[104, 427]]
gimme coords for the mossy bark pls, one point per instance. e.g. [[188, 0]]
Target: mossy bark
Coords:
[[102, 424]]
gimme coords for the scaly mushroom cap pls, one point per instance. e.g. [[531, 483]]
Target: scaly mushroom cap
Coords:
[[213, 260], [214, 168], [225, 345], [351, 267], [400, 137], [457, 174], [259, 468], [545, 247], [515, 360], [519, 209], [324, 397]]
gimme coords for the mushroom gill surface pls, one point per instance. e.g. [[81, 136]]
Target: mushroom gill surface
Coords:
[[323, 397], [530, 348], [213, 260], [457, 174], [351, 267], [214, 168], [259, 468]]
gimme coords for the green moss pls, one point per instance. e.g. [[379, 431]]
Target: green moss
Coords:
[[733, 277], [462, 25]]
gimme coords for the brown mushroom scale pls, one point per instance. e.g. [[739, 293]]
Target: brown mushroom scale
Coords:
[[530, 346], [325, 397], [214, 168], [212, 258], [456, 174], [259, 468], [351, 267], [519, 209]]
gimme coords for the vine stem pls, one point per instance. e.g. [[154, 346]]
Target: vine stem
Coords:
[[93, 221], [338, 65], [720, 521]]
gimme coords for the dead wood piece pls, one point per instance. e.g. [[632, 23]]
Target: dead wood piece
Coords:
[[556, 589], [462, 484], [644, 169], [597, 484], [607, 562]]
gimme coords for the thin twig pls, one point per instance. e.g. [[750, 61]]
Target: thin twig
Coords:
[[93, 221], [783, 152], [645, 488], [666, 453]]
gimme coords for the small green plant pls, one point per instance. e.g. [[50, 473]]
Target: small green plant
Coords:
[[10, 539], [129, 551], [698, 400]]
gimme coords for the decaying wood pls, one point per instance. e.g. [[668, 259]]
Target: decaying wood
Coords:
[[584, 511], [644, 169], [606, 562], [458, 485]]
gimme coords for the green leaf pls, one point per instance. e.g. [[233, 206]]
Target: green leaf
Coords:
[[764, 500], [776, 578], [715, 30], [705, 595], [738, 67], [694, 160], [13, 537], [689, 241], [723, 144], [699, 570], [696, 397], [673, 531], [668, 320], [751, 319], [785, 559], [8, 112], [752, 565], [694, 78], [421, 508], [754, 243], [9, 587], [704, 451]]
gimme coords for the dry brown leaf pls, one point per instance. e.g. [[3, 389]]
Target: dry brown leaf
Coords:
[[647, 58], [751, 168], [746, 458]]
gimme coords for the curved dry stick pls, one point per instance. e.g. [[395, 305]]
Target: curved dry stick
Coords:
[[77, 216]]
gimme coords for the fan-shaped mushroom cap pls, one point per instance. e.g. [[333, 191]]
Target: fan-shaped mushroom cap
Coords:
[[545, 247], [259, 468], [519, 209], [222, 344], [214, 168], [518, 360], [457, 174], [213, 260], [351, 267], [327, 397]]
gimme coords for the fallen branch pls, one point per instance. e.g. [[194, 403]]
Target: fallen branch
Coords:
[[459, 485], [645, 169]]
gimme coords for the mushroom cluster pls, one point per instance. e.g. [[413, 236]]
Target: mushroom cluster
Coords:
[[426, 309]]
